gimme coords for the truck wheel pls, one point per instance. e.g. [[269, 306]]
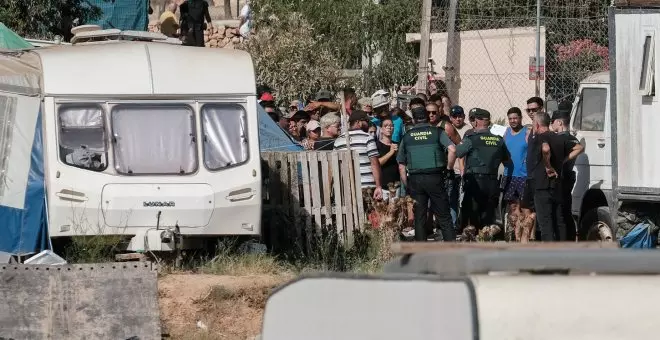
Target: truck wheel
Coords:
[[597, 225]]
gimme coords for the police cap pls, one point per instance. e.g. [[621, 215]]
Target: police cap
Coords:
[[419, 113], [479, 113]]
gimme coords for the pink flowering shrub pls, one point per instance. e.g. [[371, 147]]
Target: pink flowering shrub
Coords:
[[582, 55]]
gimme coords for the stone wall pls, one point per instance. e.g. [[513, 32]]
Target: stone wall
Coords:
[[224, 34], [221, 36]]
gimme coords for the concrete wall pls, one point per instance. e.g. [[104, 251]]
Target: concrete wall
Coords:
[[494, 67]]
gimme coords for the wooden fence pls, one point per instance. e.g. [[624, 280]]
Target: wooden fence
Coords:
[[314, 187]]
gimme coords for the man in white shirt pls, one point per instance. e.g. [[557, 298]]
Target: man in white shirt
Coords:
[[245, 17]]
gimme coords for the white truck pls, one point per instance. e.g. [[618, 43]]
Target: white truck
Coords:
[[615, 118]]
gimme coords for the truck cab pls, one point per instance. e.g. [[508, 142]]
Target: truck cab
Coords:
[[615, 118], [590, 124]]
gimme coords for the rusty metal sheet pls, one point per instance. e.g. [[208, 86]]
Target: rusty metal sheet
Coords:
[[91, 301], [637, 3]]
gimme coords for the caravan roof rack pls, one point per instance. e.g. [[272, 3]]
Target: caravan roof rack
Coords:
[[101, 35]]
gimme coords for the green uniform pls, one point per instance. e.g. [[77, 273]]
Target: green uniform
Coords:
[[483, 152], [423, 150]]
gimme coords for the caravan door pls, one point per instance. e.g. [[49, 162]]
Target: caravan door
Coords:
[[76, 146]]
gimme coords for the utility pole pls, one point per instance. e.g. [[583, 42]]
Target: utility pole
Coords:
[[423, 67], [453, 53], [538, 48]]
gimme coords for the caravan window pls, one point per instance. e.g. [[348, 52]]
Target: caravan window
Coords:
[[82, 136], [225, 135], [154, 139]]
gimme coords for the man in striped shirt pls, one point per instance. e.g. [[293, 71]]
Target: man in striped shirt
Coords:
[[364, 143]]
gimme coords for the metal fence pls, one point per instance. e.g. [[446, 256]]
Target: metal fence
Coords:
[[495, 49]]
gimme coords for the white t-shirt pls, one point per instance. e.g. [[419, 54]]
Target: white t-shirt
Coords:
[[365, 144]]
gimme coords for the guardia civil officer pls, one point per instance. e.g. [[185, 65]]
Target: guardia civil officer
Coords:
[[423, 153], [483, 152]]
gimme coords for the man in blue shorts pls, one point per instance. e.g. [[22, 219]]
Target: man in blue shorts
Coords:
[[515, 175]]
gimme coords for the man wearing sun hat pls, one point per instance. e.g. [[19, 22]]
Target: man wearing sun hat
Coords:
[[380, 102]]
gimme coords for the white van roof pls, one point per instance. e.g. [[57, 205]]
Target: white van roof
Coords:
[[126, 68]]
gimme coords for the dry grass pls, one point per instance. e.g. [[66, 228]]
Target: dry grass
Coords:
[[245, 264], [199, 306]]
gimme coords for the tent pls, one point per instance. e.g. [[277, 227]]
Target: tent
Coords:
[[271, 135], [23, 228], [125, 15], [10, 40]]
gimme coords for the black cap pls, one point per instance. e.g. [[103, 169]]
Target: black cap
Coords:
[[358, 115], [419, 113], [565, 106], [480, 113], [456, 111], [560, 114]]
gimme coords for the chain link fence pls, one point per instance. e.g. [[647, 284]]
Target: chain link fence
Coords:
[[494, 56]]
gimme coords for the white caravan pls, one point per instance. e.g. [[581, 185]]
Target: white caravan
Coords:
[[143, 138], [615, 117]]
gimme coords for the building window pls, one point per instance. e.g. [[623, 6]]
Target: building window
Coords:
[[225, 135], [154, 139], [82, 136]]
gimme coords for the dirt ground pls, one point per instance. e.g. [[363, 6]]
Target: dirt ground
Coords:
[[199, 306]]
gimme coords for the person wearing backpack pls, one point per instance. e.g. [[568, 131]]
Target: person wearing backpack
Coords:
[[193, 13]]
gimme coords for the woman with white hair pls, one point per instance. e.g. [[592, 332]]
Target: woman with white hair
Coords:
[[330, 128]]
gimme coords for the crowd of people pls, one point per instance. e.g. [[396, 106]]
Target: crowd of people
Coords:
[[448, 165]]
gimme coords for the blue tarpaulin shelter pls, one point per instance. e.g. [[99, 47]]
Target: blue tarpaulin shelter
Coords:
[[23, 226], [272, 137], [126, 15]]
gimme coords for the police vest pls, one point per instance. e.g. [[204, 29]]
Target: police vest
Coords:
[[424, 153], [486, 155]]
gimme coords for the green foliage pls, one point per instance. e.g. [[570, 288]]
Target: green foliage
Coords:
[[288, 58], [347, 31], [45, 18]]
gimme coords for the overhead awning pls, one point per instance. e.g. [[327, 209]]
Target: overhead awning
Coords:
[[9, 40]]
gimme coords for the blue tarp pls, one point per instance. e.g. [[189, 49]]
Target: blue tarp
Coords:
[[24, 231], [126, 15], [271, 135], [641, 237]]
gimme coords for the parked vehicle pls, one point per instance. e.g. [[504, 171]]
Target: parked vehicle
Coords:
[[143, 138], [615, 118]]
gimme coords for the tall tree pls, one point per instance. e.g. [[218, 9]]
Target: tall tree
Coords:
[[355, 31]]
